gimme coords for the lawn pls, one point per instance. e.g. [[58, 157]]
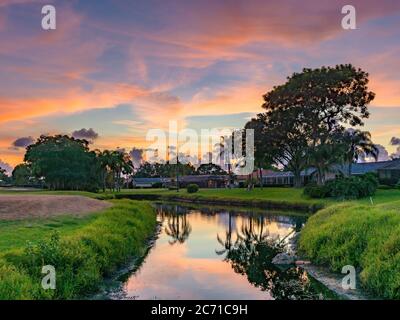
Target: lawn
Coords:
[[280, 195], [364, 236], [16, 234], [83, 250]]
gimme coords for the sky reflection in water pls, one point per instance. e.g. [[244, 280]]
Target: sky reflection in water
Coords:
[[218, 254]]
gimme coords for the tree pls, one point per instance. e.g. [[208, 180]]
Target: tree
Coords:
[[210, 168], [326, 99], [304, 114], [323, 156], [4, 178], [281, 138], [261, 154], [149, 170], [113, 165], [22, 175], [358, 143], [64, 162]]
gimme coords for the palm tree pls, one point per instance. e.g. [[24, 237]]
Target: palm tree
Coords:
[[115, 163], [228, 243], [178, 228], [105, 159], [323, 156], [358, 143]]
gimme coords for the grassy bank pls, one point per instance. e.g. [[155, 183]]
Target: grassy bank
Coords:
[[282, 197], [364, 236], [83, 252]]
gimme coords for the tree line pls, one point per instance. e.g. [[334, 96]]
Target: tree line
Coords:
[[61, 162]]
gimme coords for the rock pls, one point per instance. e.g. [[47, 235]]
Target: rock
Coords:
[[283, 259], [302, 262]]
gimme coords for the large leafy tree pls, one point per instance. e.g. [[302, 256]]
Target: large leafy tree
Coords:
[[303, 116], [64, 162], [280, 139], [326, 98]]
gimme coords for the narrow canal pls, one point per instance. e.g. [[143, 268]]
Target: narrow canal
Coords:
[[211, 253]]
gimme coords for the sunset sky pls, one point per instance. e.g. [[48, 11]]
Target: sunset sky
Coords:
[[122, 67]]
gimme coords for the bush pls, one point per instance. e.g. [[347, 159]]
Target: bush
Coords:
[[345, 187], [314, 191], [398, 185], [192, 188]]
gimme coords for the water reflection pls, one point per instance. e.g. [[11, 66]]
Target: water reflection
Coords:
[[208, 253]]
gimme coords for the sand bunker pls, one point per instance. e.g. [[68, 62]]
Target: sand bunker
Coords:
[[15, 207]]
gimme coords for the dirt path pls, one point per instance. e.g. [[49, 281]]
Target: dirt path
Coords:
[[15, 207]]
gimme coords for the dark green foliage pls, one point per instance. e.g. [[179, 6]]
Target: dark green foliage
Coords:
[[157, 170], [345, 187], [353, 187], [304, 116], [65, 163], [192, 188], [317, 192], [22, 175], [4, 178]]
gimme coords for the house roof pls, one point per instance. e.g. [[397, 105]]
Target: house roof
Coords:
[[392, 165], [283, 174], [362, 168], [356, 169], [204, 177], [150, 180]]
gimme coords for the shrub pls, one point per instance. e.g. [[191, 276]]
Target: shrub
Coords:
[[345, 187], [398, 185], [192, 188], [314, 191]]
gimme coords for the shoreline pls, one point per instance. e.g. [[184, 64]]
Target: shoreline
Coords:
[[261, 204]]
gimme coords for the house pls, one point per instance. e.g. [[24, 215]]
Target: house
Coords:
[[286, 178], [203, 181], [150, 182], [390, 173], [361, 168], [255, 176]]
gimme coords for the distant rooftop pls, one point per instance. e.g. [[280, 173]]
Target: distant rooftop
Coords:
[[356, 169]]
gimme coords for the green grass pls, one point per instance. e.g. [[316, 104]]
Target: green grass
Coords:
[[82, 254], [16, 234], [364, 236], [279, 195]]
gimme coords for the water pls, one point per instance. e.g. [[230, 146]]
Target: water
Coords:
[[209, 253]]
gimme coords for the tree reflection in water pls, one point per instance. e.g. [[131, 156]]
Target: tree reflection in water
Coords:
[[251, 255], [177, 227]]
